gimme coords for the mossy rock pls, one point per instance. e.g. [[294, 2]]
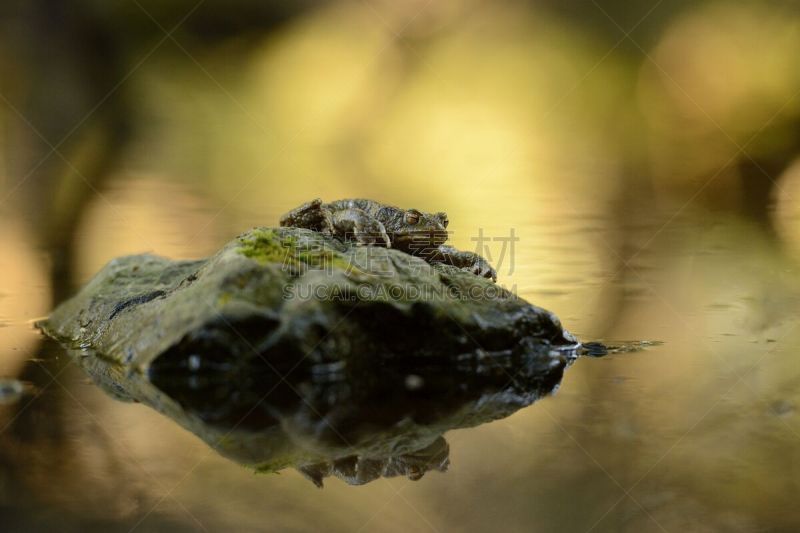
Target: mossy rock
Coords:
[[291, 296], [278, 349]]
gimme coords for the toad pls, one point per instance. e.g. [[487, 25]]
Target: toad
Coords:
[[368, 222]]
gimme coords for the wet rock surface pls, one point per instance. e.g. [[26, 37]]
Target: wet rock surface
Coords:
[[292, 348], [286, 296]]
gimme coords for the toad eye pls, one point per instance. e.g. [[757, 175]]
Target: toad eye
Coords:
[[412, 218]]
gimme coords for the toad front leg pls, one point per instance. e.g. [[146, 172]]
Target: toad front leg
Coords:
[[313, 215], [357, 224], [469, 261]]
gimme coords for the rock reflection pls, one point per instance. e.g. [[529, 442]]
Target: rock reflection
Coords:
[[357, 424]]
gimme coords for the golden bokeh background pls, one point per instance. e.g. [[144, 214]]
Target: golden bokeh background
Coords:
[[646, 157]]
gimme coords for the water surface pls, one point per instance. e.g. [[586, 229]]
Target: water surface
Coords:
[[698, 429]]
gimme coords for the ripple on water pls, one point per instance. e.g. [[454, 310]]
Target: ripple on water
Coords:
[[601, 349], [11, 390]]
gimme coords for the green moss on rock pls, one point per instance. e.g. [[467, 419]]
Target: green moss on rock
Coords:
[[266, 246]]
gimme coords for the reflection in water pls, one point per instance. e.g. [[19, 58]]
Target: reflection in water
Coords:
[[358, 424], [357, 470]]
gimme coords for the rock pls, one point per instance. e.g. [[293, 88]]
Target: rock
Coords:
[[277, 350], [288, 296]]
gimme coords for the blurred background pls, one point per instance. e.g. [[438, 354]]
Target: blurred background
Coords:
[[645, 155]]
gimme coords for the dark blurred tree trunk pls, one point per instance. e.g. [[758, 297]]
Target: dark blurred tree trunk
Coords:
[[70, 114]]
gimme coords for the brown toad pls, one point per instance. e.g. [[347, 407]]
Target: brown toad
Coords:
[[372, 223]]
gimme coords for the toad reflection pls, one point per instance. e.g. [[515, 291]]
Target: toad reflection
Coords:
[[356, 470]]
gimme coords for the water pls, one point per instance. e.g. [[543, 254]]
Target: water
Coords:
[[695, 429]]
